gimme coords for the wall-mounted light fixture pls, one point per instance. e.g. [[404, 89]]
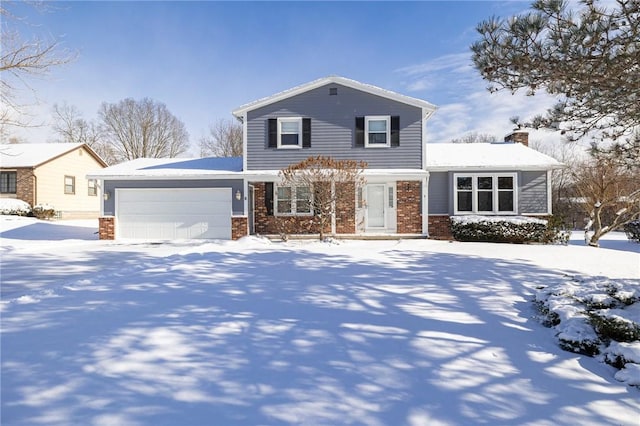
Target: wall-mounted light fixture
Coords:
[[238, 195], [106, 195]]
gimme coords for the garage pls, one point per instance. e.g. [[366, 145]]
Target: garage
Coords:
[[173, 213]]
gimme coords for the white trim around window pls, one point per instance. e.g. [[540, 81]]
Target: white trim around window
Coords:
[[292, 201], [289, 132], [485, 193], [377, 131]]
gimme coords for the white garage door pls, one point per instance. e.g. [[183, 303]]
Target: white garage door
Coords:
[[173, 213]]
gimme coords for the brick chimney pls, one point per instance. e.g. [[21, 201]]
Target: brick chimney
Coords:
[[519, 136]]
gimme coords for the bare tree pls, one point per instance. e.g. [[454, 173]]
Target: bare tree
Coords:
[[145, 128], [610, 191], [20, 61], [475, 137], [328, 185], [224, 140], [71, 127]]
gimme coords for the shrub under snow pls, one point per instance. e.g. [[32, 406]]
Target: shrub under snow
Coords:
[[597, 317], [13, 206], [503, 229], [632, 229], [43, 211]]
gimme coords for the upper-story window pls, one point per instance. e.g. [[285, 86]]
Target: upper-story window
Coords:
[[485, 193], [289, 132], [377, 131], [8, 182]]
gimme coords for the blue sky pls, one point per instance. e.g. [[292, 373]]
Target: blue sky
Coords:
[[204, 59]]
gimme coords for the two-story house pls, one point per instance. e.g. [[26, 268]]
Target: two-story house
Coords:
[[334, 117]]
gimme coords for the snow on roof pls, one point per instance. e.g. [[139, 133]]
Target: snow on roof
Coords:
[[172, 167], [427, 107], [494, 156], [32, 154]]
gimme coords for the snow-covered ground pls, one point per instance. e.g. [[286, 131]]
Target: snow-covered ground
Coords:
[[412, 332]]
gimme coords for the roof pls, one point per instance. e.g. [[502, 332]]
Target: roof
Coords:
[[179, 168], [489, 156], [427, 108], [36, 154]]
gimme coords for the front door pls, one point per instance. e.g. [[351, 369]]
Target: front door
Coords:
[[375, 206]]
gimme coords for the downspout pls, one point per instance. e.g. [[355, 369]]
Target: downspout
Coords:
[[425, 206]]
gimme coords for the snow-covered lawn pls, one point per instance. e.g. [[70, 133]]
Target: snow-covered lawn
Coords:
[[413, 332]]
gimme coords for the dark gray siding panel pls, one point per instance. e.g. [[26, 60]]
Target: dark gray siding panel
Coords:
[[439, 193], [234, 184], [332, 129], [532, 197]]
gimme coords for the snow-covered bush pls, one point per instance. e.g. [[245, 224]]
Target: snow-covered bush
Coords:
[[43, 211], [632, 229], [13, 206], [557, 232], [595, 316], [502, 229]]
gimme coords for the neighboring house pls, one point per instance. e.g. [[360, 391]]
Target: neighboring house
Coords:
[[343, 119], [53, 174]]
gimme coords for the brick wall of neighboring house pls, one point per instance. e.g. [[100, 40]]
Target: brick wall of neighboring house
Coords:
[[26, 185], [107, 228], [440, 227], [239, 227], [409, 212]]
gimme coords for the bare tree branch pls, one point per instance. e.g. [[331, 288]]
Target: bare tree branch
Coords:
[[224, 140]]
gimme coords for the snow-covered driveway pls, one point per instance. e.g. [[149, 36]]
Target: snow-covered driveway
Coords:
[[254, 333]]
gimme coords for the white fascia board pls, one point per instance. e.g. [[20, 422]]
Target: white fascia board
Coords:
[[490, 168], [237, 175], [427, 107]]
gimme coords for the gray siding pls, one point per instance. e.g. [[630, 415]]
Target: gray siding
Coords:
[[439, 193], [234, 184], [332, 129], [532, 197]]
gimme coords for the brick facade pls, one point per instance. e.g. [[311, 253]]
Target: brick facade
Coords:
[[239, 227], [408, 207], [440, 227], [107, 228], [274, 225], [26, 185]]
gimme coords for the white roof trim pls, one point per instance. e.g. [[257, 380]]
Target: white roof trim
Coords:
[[427, 108]]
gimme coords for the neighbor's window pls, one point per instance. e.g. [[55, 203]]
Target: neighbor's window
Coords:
[[69, 185], [291, 200], [92, 187], [485, 193], [289, 132], [8, 182], [377, 131]]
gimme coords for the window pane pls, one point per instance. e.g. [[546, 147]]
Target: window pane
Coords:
[[464, 201], [284, 192], [303, 199], [378, 138], [464, 183], [284, 206], [485, 182], [289, 126], [485, 201], [505, 201], [505, 182], [378, 125], [289, 139]]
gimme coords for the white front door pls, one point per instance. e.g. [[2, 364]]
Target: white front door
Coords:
[[375, 206]]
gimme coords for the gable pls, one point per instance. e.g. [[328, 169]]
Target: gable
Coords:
[[38, 154], [426, 107]]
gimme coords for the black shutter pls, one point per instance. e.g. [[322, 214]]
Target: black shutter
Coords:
[[273, 133], [306, 133], [268, 197], [395, 130], [359, 132]]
